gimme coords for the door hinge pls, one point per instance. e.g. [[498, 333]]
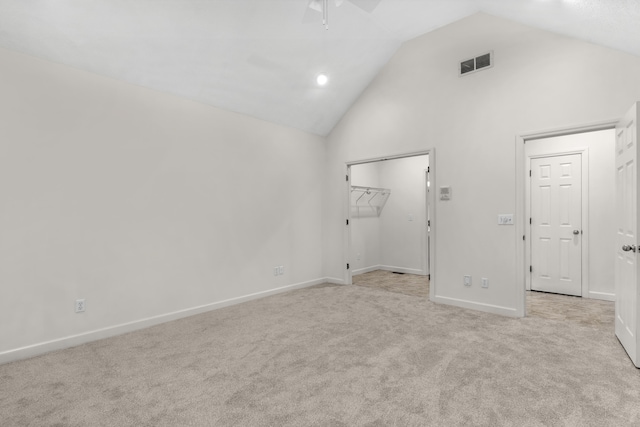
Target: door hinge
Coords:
[[347, 178], [530, 221], [347, 266], [428, 223], [347, 222], [530, 269], [529, 172], [428, 169], [523, 237]]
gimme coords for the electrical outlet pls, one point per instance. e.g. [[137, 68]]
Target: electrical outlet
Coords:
[[467, 280], [281, 270], [80, 305], [358, 256], [485, 282], [275, 271]]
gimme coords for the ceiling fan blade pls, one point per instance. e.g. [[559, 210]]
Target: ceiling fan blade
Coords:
[[366, 5], [315, 5], [313, 10]]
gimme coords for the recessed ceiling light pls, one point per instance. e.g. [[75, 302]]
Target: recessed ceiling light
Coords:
[[322, 79]]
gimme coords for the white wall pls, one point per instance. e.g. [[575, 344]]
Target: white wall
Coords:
[[147, 205], [403, 240], [540, 81], [600, 148]]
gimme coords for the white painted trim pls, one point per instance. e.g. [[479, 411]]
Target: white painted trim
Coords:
[[521, 242], [346, 236], [111, 331], [402, 270], [365, 270], [391, 268], [432, 215], [346, 239], [550, 133], [423, 227], [392, 157], [472, 305], [334, 281], [605, 296], [521, 183]]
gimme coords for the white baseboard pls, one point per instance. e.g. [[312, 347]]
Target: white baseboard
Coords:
[[487, 308], [333, 281], [365, 270], [75, 340], [606, 296], [405, 270]]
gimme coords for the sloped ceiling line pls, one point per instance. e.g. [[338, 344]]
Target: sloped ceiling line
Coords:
[[260, 57]]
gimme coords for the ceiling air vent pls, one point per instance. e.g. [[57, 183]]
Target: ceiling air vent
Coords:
[[475, 64]]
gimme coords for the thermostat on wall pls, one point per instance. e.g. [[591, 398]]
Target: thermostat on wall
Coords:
[[445, 193]]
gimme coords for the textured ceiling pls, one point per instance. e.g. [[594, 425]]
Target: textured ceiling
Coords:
[[261, 57]]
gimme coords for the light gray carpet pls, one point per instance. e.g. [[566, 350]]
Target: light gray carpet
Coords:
[[332, 356], [596, 313], [408, 284], [592, 312]]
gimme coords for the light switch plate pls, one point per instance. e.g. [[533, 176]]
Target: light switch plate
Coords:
[[505, 219]]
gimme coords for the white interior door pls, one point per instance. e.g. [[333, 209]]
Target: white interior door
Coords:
[[556, 224], [626, 266]]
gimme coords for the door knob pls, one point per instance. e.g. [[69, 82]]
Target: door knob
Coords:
[[576, 231], [628, 248]]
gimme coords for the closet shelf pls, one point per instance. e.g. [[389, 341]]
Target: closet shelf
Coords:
[[368, 201]]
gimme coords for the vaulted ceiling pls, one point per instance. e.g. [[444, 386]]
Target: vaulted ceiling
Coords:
[[261, 57]]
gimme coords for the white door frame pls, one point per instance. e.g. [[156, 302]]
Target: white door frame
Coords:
[[521, 220], [346, 244], [425, 240], [584, 237]]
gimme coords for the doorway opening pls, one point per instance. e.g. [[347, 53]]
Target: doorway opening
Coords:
[[566, 194], [390, 223]]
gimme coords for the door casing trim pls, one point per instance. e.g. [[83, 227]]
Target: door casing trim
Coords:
[[346, 242], [521, 182]]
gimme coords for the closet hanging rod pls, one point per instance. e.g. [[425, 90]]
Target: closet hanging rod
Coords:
[[370, 189]]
